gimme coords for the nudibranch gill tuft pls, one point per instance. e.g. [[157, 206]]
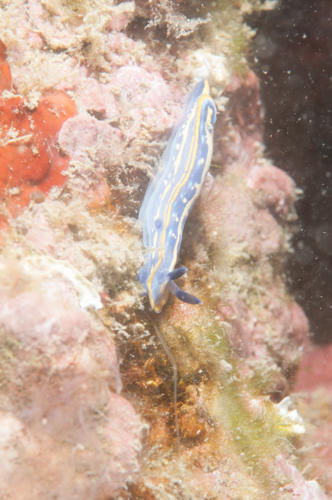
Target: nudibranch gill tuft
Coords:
[[171, 195]]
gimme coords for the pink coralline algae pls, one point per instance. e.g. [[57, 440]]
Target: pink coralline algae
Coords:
[[274, 186], [59, 392], [248, 335], [313, 389], [74, 406], [153, 105], [98, 99], [82, 134], [314, 370]]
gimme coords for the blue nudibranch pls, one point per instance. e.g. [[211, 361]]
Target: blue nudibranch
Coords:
[[171, 195]]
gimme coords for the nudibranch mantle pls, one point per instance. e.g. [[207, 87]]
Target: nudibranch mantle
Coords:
[[171, 195]]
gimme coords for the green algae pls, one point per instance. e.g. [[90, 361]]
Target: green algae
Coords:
[[253, 431]]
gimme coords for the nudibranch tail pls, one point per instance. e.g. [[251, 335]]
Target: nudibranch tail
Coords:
[[171, 195]]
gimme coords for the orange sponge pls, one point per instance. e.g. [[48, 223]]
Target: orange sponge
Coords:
[[29, 157]]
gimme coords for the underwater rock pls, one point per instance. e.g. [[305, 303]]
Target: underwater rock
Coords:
[[314, 369], [67, 429], [211, 382], [275, 188], [313, 391]]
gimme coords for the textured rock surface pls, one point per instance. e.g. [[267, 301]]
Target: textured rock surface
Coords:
[[64, 427], [74, 410]]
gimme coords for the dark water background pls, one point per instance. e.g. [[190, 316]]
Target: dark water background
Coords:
[[292, 55]]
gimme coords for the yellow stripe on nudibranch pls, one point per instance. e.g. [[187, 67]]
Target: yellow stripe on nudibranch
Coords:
[[171, 195]]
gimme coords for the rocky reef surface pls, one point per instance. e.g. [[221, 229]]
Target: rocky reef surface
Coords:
[[90, 92]]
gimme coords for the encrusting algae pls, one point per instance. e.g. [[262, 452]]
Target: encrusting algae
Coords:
[[85, 380]]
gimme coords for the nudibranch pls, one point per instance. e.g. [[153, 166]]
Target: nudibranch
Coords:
[[171, 195]]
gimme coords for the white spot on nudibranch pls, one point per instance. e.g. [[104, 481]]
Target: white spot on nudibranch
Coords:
[[157, 223]]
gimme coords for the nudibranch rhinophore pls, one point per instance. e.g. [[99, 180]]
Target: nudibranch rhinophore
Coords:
[[171, 195]]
